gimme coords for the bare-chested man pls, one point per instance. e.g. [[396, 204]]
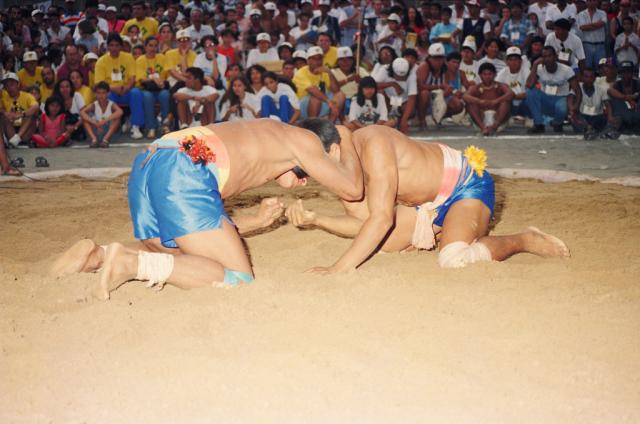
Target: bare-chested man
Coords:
[[490, 96], [176, 191], [454, 194]]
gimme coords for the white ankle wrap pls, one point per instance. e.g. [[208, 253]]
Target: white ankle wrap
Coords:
[[154, 268], [459, 254]]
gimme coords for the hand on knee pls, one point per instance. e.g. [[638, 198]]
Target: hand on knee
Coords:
[[459, 254]]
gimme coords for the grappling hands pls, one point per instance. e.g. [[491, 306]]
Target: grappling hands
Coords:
[[270, 209], [299, 216]]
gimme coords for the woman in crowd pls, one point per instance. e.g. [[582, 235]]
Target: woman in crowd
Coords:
[[386, 56], [254, 76], [412, 21], [368, 107], [278, 99], [75, 77], [492, 49], [166, 40], [239, 103], [151, 69], [73, 103]]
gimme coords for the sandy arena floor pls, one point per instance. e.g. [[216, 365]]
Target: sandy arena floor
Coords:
[[400, 341]]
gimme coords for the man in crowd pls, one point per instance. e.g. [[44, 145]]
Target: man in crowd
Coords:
[[592, 23], [196, 100], [19, 111], [515, 76], [566, 44], [590, 112], [148, 26], [625, 96], [489, 102]]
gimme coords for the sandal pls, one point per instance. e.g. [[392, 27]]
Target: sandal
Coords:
[[11, 172], [17, 163], [94, 144], [104, 144], [41, 162]]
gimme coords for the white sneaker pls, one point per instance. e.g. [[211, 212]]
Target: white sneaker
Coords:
[[183, 125], [151, 133], [135, 133], [438, 105], [126, 126], [528, 123], [15, 140]]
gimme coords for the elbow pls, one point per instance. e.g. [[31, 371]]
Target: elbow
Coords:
[[354, 193]]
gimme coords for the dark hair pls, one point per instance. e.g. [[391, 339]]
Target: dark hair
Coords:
[[227, 32], [114, 36], [197, 73], [232, 98], [551, 49], [410, 52], [405, 19], [367, 82], [454, 56], [204, 39], [487, 66], [628, 19], [53, 99], [258, 68], [102, 85], [328, 35], [326, 132], [56, 89], [394, 55]]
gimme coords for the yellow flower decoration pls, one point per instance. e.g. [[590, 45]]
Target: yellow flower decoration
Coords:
[[477, 159]]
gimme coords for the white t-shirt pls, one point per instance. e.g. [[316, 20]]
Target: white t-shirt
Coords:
[[516, 82], [282, 90], [541, 13], [628, 53], [367, 114], [206, 65], [409, 86], [196, 35], [77, 104], [571, 49], [251, 100], [296, 33], [554, 13], [256, 57], [470, 71], [394, 42], [205, 91], [454, 15], [594, 104], [499, 64], [557, 83]]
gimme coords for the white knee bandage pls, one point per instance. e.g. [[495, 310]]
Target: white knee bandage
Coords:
[[154, 268], [458, 254]]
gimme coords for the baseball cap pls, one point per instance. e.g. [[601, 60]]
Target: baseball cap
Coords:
[[473, 3], [470, 43], [112, 9], [89, 56], [627, 66], [400, 66], [285, 44], [183, 33], [314, 51], [394, 17], [29, 57], [436, 49], [344, 52], [270, 6], [263, 36], [10, 76], [514, 51], [102, 7], [300, 54], [37, 12], [306, 1], [324, 3], [253, 12], [605, 61]]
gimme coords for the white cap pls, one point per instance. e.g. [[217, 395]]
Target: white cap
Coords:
[[344, 52], [285, 44], [300, 54], [10, 76], [102, 7], [394, 17], [473, 3], [89, 56], [183, 33], [29, 57], [37, 12], [470, 42], [263, 36], [324, 3], [112, 9], [255, 12], [314, 51], [400, 66], [436, 49], [306, 1], [126, 39], [514, 51], [270, 6]]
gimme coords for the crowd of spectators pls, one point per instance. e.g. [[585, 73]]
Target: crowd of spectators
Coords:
[[87, 71]]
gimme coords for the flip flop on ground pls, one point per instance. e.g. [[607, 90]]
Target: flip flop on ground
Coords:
[[41, 162]]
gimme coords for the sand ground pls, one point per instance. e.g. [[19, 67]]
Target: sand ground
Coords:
[[401, 340]]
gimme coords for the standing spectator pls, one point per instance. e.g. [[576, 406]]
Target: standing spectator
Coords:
[[118, 69], [392, 35], [560, 10], [113, 23], [615, 24], [627, 46], [196, 100], [19, 111], [239, 103], [443, 32], [277, 99], [624, 95], [459, 11], [489, 102], [555, 80], [567, 44], [31, 73], [398, 81], [430, 78], [318, 89], [517, 30], [197, 29], [151, 71], [515, 76], [368, 107], [325, 22], [476, 26], [70, 17], [592, 24], [589, 112], [148, 26], [264, 52]]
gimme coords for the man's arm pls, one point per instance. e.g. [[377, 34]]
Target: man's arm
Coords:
[[343, 225]]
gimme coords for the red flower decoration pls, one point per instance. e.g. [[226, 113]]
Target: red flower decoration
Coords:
[[197, 150]]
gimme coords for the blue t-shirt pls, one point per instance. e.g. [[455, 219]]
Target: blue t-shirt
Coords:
[[443, 30]]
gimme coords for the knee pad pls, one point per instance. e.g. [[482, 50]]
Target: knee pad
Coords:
[[459, 254], [234, 278]]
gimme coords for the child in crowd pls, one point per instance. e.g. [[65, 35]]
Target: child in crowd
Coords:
[[278, 99], [51, 130], [368, 107], [101, 118]]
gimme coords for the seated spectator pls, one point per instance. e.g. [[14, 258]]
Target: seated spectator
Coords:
[[264, 52], [325, 22], [608, 73], [489, 102], [589, 111], [48, 84], [239, 103], [101, 118], [151, 70], [118, 69], [212, 64], [148, 26], [226, 48], [392, 35], [285, 51], [166, 38], [550, 100], [492, 49], [330, 52], [178, 60], [78, 86], [58, 34], [254, 77], [346, 76], [196, 100], [278, 99], [89, 37], [51, 131], [624, 96], [567, 44], [368, 107], [627, 46], [299, 59], [303, 35], [288, 70], [73, 104], [534, 52], [386, 56], [34, 90], [318, 89], [198, 29], [515, 76], [398, 81], [113, 23], [469, 65], [443, 31], [431, 78], [89, 61], [31, 73], [19, 111]]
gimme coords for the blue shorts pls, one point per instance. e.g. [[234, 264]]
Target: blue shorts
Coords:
[[304, 105], [469, 186], [171, 197]]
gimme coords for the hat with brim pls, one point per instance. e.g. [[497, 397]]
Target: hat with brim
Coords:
[[314, 51], [255, 12], [394, 17], [627, 66], [111, 9], [37, 12], [300, 54], [263, 36], [89, 56], [470, 43], [10, 76], [182, 35], [29, 57], [514, 51], [344, 52], [400, 67]]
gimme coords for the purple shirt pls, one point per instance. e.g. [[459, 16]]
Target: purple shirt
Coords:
[[64, 71]]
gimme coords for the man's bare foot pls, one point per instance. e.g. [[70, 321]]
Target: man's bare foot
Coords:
[[120, 266], [83, 256], [545, 245]]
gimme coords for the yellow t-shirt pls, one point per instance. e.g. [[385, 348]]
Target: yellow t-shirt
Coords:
[[304, 79], [173, 59], [92, 78], [87, 94], [148, 26], [27, 80], [45, 93], [145, 67], [21, 104], [330, 57], [115, 71]]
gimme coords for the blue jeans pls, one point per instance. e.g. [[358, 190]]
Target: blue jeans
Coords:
[[593, 53], [150, 99], [284, 110], [541, 104], [521, 110], [133, 99]]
